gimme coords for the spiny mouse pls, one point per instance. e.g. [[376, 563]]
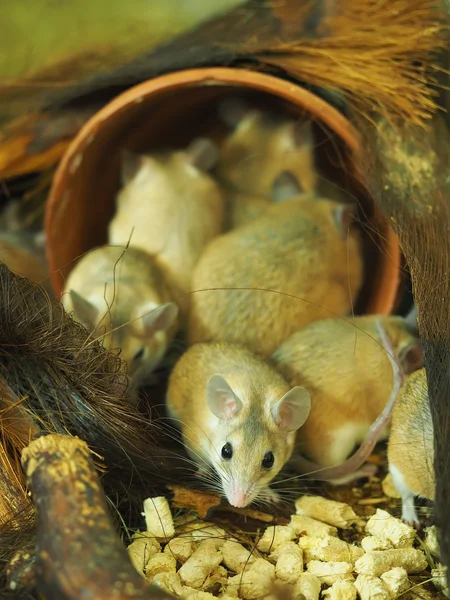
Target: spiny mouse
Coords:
[[296, 264], [237, 415], [262, 145], [170, 207], [411, 446], [346, 369], [120, 295]]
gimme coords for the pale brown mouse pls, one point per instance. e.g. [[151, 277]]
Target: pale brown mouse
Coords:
[[242, 208], [237, 415], [345, 367], [120, 295], [262, 145], [411, 446], [259, 283], [170, 207]]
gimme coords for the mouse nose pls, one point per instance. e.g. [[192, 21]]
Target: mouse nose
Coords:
[[238, 498], [238, 494]]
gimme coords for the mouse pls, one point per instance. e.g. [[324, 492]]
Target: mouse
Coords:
[[411, 446], [120, 295], [345, 366], [171, 207], [353, 468], [297, 263], [261, 145], [238, 416], [242, 208]]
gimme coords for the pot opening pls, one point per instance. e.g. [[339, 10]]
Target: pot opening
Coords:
[[83, 195]]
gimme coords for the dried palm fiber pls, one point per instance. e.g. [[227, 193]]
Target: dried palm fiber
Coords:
[[408, 173], [16, 431], [16, 510], [380, 55], [68, 383]]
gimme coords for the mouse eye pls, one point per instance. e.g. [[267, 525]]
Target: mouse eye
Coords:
[[227, 451], [139, 354], [268, 460]]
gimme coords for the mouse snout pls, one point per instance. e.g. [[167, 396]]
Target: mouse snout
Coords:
[[238, 493]]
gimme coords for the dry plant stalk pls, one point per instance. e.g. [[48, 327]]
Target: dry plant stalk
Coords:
[[79, 553], [380, 55]]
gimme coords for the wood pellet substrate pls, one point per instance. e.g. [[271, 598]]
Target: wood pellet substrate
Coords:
[[307, 557]]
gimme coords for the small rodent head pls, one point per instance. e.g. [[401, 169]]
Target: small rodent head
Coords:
[[252, 446], [138, 171], [143, 338], [261, 146]]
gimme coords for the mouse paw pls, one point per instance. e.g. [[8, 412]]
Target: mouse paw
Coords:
[[269, 494], [409, 516], [414, 524]]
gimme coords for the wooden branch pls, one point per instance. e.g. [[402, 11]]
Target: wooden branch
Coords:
[[79, 555]]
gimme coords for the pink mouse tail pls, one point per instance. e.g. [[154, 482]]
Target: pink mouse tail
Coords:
[[353, 463]]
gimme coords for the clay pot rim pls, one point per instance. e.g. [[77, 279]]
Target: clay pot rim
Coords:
[[236, 77], [293, 93]]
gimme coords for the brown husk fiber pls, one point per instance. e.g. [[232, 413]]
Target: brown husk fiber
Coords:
[[379, 55], [55, 379]]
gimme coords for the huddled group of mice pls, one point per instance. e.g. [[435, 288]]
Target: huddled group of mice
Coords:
[[231, 246]]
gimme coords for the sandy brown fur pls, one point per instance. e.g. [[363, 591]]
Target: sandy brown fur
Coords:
[[171, 210], [123, 284], [411, 442], [344, 366], [294, 248], [253, 433], [261, 147], [243, 208]]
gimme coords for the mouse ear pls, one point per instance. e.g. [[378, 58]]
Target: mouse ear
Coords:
[[232, 110], [203, 153], [131, 162], [221, 399], [344, 217], [293, 409], [285, 187], [411, 358], [160, 318], [84, 311], [302, 133]]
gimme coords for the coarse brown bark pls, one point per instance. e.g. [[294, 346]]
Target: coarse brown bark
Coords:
[[79, 554], [408, 175]]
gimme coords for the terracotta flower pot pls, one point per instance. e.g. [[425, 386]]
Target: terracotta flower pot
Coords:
[[169, 111]]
